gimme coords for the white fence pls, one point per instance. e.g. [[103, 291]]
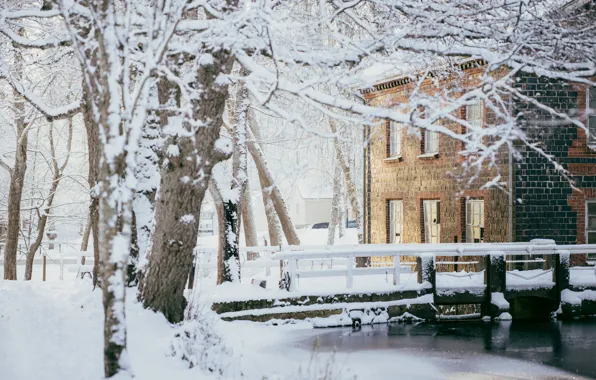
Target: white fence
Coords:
[[61, 251], [299, 261]]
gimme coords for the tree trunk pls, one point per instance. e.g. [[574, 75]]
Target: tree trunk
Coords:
[[15, 193], [94, 158], [248, 220], [352, 191], [273, 225], [131, 270], [41, 226], [221, 229], [184, 180], [232, 203], [149, 160], [267, 184], [335, 205], [343, 208], [85, 239]]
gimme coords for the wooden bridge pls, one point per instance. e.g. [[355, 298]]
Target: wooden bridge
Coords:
[[423, 280]]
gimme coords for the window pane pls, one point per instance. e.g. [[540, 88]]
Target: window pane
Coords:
[[474, 113], [591, 238], [592, 223], [591, 208], [431, 142], [592, 129]]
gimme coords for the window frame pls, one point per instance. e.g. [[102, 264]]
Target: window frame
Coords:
[[469, 220], [395, 140], [428, 232], [431, 136], [591, 118], [391, 228], [478, 122], [587, 219]]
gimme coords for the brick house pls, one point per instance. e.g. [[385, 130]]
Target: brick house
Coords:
[[411, 194]]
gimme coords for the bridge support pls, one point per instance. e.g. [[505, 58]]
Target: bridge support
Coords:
[[496, 271], [427, 272]]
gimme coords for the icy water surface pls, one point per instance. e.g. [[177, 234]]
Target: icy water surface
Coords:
[[570, 346]]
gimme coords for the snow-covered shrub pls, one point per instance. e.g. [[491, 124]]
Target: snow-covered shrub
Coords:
[[198, 344]]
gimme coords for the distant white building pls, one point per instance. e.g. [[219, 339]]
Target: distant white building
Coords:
[[310, 203]]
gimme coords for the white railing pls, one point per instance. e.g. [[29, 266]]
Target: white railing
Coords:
[[292, 256]]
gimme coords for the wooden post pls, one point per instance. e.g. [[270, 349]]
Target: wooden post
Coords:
[[350, 272], [496, 273], [396, 269], [44, 267], [426, 270], [561, 270], [293, 268]]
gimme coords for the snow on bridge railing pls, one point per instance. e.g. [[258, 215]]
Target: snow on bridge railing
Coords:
[[426, 252]]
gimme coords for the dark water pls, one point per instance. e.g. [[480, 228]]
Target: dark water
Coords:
[[570, 346]]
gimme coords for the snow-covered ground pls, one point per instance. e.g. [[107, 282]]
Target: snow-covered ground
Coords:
[[53, 331]]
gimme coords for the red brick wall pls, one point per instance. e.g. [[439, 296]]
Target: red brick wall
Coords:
[[413, 179]]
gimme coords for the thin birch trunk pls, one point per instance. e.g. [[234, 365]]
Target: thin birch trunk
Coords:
[[335, 205], [17, 179], [58, 173], [268, 185], [343, 209], [85, 239], [352, 191], [273, 224], [94, 158], [248, 218]]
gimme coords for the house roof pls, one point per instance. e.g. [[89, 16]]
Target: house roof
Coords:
[[405, 79]]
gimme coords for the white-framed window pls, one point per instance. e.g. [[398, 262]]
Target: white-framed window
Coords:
[[474, 221], [396, 219], [591, 222], [474, 113], [431, 142], [394, 140], [432, 221], [591, 105]]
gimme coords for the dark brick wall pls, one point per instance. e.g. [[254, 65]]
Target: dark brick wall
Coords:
[[546, 206]]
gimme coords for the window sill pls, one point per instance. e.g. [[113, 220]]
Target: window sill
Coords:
[[592, 147], [393, 159], [429, 155]]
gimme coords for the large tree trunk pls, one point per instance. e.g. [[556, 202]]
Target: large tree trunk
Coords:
[[335, 205], [149, 160], [41, 226], [268, 185], [184, 180], [15, 193], [352, 191]]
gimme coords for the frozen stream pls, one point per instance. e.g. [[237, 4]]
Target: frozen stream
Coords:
[[468, 347]]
